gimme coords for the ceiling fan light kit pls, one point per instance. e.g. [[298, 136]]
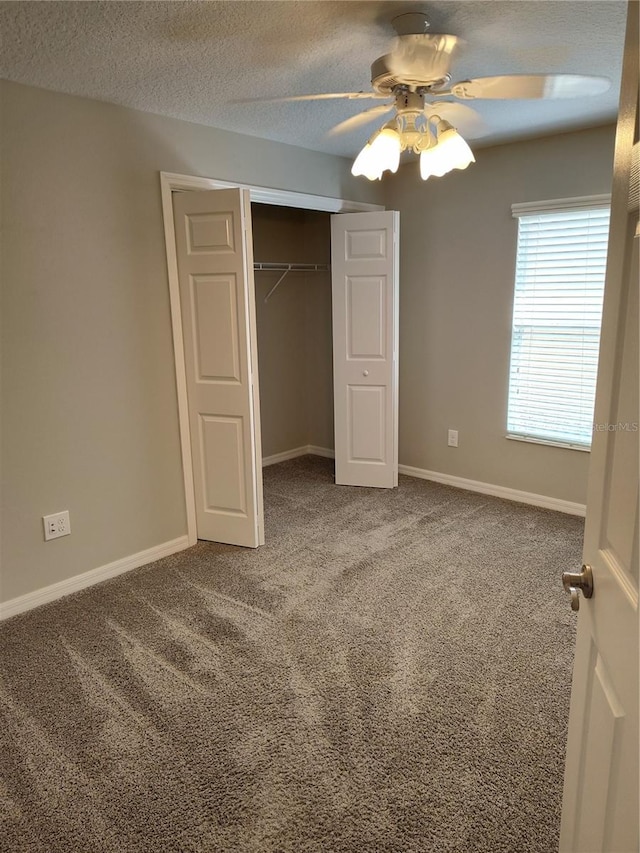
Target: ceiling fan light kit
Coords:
[[441, 149]]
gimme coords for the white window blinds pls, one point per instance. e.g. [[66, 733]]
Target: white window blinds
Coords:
[[559, 287]]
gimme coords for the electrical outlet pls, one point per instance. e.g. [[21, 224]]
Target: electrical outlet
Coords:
[[452, 440], [56, 525]]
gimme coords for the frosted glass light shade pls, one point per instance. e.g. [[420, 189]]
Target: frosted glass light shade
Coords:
[[450, 152], [455, 149], [382, 153], [432, 163], [365, 165], [386, 148]]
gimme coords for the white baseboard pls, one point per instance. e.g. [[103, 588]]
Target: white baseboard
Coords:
[[94, 576], [284, 456], [497, 491], [321, 451], [297, 451], [448, 480]]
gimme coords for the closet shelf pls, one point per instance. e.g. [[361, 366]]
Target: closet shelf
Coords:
[[273, 267], [287, 268]]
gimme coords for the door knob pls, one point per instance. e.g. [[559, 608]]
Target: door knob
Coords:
[[365, 372], [574, 581]]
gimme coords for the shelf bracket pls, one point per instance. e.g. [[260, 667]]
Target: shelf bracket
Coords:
[[276, 285], [285, 269]]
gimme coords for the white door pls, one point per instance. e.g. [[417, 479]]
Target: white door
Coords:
[[217, 302], [600, 805], [364, 264]]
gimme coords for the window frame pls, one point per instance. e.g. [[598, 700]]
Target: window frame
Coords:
[[541, 207]]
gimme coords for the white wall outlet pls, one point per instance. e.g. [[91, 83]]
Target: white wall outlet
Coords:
[[56, 525], [452, 439]]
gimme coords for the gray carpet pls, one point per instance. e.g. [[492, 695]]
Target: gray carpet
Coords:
[[390, 673]]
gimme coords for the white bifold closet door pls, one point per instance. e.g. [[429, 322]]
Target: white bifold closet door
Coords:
[[217, 301], [364, 262]]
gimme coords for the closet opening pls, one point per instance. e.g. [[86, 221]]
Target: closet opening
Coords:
[[292, 273], [220, 454]]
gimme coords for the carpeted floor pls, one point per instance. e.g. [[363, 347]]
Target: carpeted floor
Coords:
[[391, 672]]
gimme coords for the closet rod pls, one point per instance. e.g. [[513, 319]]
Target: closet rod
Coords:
[[275, 267], [286, 268]]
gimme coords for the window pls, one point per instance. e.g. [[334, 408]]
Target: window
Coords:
[[557, 311]]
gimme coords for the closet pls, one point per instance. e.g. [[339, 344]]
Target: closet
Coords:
[[315, 320], [292, 253]]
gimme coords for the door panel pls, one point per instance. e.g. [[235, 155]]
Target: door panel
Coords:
[[209, 233], [603, 732], [214, 303], [223, 460], [365, 244], [600, 804], [366, 317], [215, 268], [366, 413], [365, 347]]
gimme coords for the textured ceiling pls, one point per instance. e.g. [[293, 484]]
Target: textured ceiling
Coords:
[[192, 60]]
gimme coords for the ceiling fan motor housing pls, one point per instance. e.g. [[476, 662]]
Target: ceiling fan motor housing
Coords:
[[418, 61]]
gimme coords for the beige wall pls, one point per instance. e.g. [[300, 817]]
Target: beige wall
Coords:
[[458, 244], [89, 419], [278, 235], [294, 330], [319, 337]]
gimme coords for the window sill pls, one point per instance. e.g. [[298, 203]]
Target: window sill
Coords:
[[548, 442]]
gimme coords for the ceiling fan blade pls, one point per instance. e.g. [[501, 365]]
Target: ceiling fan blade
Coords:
[[527, 86], [320, 97], [360, 118], [465, 119]]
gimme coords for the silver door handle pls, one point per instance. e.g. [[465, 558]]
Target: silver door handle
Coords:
[[574, 581]]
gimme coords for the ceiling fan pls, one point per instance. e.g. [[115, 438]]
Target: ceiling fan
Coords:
[[414, 80]]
